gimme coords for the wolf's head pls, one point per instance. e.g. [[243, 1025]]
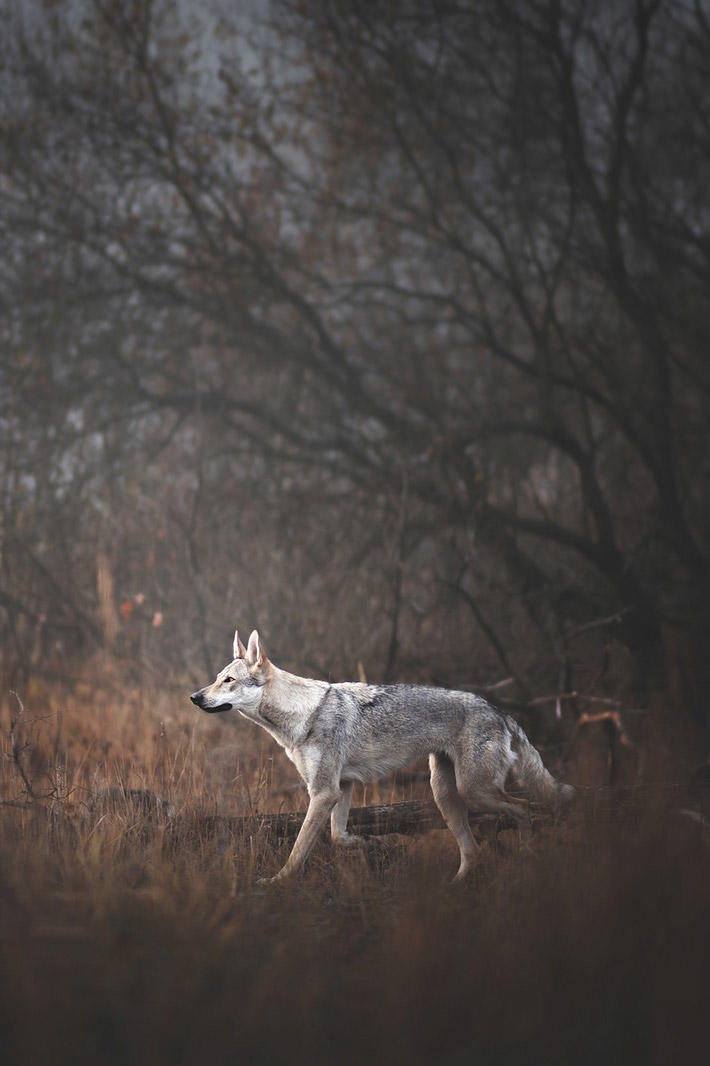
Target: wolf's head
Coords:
[[239, 686]]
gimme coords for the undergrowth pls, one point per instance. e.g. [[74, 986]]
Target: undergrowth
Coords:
[[135, 934]]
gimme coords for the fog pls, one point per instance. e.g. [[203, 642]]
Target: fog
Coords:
[[380, 327]]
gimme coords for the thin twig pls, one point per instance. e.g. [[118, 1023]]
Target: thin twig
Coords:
[[499, 684], [18, 749], [598, 623]]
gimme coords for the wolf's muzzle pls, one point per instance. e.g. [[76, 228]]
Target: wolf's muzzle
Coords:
[[198, 699]]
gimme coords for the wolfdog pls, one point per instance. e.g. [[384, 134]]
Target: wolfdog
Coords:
[[337, 734]]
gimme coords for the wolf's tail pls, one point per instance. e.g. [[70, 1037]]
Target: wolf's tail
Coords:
[[537, 782]]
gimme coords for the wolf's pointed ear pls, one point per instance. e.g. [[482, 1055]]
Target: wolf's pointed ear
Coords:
[[255, 656], [238, 649]]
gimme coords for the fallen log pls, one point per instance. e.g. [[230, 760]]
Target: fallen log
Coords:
[[606, 804], [403, 819], [407, 819], [375, 820]]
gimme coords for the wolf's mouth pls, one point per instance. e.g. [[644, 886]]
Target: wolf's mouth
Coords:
[[218, 708]]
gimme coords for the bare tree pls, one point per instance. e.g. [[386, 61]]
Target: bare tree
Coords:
[[456, 247]]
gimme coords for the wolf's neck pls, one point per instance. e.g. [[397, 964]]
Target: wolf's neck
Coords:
[[288, 701]]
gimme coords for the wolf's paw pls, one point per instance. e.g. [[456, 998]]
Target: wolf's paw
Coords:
[[265, 882], [465, 875]]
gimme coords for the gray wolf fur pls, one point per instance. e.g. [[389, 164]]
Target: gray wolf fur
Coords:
[[341, 733]]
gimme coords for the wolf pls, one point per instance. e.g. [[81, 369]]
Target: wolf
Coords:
[[337, 734]]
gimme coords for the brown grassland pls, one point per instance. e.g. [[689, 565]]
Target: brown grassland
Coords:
[[134, 937]]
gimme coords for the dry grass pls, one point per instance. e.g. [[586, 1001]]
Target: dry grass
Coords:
[[131, 937]]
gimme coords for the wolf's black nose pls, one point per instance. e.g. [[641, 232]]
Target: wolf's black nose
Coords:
[[196, 698]]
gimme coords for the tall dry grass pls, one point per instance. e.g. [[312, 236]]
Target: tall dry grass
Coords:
[[132, 936]]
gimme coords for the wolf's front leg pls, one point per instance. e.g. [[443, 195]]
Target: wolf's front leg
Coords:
[[339, 818], [319, 808]]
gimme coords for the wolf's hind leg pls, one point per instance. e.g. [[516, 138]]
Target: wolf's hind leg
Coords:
[[495, 800], [453, 810], [481, 773], [339, 818]]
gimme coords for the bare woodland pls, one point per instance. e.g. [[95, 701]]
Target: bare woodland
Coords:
[[380, 326]]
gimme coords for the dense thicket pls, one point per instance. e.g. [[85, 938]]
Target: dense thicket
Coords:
[[383, 326]]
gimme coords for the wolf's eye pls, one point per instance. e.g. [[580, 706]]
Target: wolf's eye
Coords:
[[227, 680]]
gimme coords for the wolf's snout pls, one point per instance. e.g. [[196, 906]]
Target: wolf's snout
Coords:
[[196, 698]]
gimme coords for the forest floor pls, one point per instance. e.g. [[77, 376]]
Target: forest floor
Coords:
[[131, 933]]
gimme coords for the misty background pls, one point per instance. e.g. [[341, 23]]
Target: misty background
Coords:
[[381, 327]]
